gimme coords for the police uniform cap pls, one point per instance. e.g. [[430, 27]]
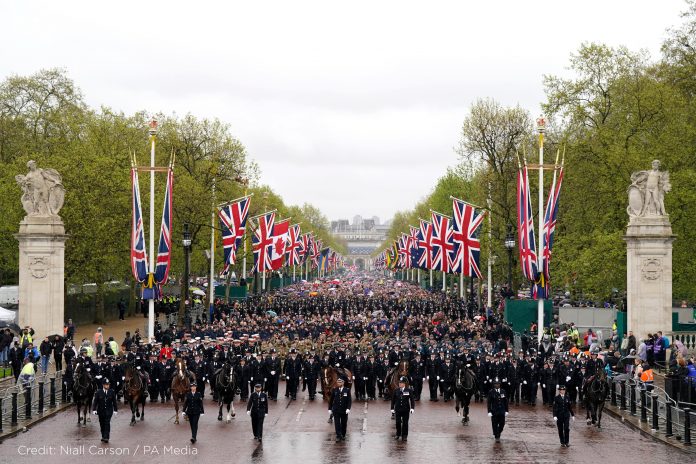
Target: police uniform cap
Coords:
[[339, 380], [106, 381], [561, 387], [258, 385], [402, 379]]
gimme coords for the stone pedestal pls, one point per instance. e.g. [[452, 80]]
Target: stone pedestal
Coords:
[[41, 274], [649, 274]]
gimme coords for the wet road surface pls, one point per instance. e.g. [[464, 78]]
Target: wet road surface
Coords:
[[298, 432]]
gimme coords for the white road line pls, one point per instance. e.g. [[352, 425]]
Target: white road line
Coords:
[[302, 409], [364, 425]]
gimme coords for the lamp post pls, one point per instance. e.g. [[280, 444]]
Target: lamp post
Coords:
[[185, 318], [509, 245]]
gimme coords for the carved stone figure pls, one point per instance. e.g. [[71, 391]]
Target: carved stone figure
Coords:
[[43, 191], [646, 194]]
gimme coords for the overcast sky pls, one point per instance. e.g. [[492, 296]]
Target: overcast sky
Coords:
[[352, 106]]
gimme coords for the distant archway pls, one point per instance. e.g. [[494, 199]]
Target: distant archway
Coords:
[[359, 263]]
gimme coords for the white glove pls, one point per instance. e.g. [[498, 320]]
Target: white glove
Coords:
[[136, 368], [272, 373], [94, 412], [337, 364], [329, 411], [573, 418], [347, 411], [202, 414], [156, 380], [183, 413], [353, 377], [364, 378], [490, 414], [265, 379], [123, 378], [115, 413], [506, 414], [265, 415], [524, 382], [543, 385], [438, 377], [412, 411], [423, 379], [392, 411], [89, 369], [504, 380], [567, 378], [428, 377], [555, 419], [248, 413]]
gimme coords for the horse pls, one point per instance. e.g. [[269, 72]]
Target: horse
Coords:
[[181, 384], [225, 388], [464, 388], [83, 393], [391, 381], [134, 392], [595, 392]]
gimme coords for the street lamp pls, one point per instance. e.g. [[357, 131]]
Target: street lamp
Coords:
[[184, 315], [510, 245]]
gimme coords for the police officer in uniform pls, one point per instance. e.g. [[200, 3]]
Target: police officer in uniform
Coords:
[[497, 409], [105, 405], [402, 405], [193, 408], [257, 408], [562, 412], [339, 407]]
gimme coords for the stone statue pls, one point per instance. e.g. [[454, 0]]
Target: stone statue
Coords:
[[43, 191], [646, 194]]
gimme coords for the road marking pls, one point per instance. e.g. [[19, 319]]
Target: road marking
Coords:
[[302, 409], [364, 425]]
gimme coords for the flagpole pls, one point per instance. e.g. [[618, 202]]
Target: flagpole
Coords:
[[244, 258], [490, 249], [461, 284], [151, 303], [444, 281], [431, 279], [211, 287], [541, 123]]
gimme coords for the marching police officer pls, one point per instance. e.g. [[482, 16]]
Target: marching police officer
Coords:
[[339, 406], [562, 412], [105, 405], [403, 403], [497, 409], [193, 408], [257, 408]]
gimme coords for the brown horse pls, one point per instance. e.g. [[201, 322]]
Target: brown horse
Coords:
[[134, 392], [181, 384], [329, 375], [391, 381]]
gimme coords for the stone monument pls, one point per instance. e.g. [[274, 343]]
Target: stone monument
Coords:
[[41, 252], [649, 253]]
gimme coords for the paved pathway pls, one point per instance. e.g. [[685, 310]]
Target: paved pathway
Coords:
[[298, 432]]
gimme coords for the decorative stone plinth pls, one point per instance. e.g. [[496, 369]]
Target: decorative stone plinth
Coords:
[[649, 274], [42, 274]]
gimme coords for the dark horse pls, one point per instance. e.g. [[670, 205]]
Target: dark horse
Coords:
[[181, 384], [596, 390], [329, 378], [134, 392], [464, 389], [391, 381], [225, 389], [83, 392]]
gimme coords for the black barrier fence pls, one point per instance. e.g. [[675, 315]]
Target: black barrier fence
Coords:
[[28, 399]]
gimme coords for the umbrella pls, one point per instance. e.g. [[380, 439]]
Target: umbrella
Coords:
[[272, 313], [199, 292]]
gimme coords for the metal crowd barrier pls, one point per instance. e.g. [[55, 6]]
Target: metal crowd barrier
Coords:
[[654, 407], [22, 402]]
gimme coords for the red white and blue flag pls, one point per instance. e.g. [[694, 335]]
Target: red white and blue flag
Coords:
[[467, 247], [280, 243], [262, 243], [164, 256], [295, 246], [138, 251], [525, 227], [442, 245], [316, 251], [306, 248], [550, 228], [233, 219], [425, 245]]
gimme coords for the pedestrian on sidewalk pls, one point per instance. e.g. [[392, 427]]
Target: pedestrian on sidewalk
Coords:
[[257, 408], [403, 405], [562, 413], [57, 346], [46, 350], [193, 408], [99, 341], [122, 309], [497, 409], [104, 406]]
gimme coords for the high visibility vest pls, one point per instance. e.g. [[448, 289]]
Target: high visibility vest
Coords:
[[647, 376], [25, 339], [28, 369], [98, 338]]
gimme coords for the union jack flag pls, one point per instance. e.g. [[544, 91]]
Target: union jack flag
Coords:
[[415, 236], [233, 219], [164, 257], [525, 226], [306, 248], [442, 245], [550, 228], [316, 251], [262, 243], [138, 251], [294, 248], [425, 245], [467, 247]]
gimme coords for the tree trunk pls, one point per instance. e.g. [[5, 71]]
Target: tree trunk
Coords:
[[99, 303]]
